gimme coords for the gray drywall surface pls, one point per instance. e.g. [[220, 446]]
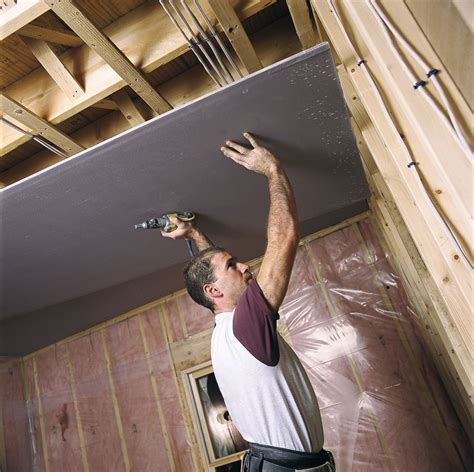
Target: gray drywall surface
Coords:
[[70, 255]]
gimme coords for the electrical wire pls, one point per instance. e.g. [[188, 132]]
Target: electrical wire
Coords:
[[383, 107], [382, 18]]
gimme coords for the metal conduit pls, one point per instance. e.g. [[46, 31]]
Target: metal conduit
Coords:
[[190, 44], [229, 78], [197, 42], [216, 36], [39, 140]]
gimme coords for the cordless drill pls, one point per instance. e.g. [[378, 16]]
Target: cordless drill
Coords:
[[163, 222]]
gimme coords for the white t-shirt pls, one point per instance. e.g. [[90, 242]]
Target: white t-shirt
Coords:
[[265, 388]]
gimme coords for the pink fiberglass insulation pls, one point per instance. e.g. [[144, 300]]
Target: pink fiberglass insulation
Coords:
[[14, 420], [111, 399]]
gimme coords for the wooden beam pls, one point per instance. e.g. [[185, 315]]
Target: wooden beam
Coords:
[[78, 21], [65, 38], [301, 16], [128, 108], [40, 126], [273, 44], [236, 34], [106, 104], [23, 13], [55, 68], [136, 33], [441, 160]]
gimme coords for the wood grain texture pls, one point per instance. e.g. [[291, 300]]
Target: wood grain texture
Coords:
[[135, 35], [236, 34], [39, 125], [55, 68]]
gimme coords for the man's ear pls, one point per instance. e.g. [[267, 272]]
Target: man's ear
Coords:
[[211, 291]]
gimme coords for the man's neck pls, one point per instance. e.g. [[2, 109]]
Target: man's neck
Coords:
[[224, 309]]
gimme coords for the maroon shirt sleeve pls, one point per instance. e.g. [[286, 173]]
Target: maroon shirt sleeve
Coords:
[[254, 325]]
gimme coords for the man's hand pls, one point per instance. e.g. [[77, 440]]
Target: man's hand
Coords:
[[184, 230], [258, 159], [187, 230]]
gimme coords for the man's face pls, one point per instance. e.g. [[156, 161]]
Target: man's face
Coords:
[[232, 277]]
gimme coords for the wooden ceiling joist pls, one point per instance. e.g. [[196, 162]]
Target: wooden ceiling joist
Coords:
[[78, 21], [136, 33], [128, 108], [65, 38], [236, 34], [20, 15], [39, 126], [301, 16], [55, 68]]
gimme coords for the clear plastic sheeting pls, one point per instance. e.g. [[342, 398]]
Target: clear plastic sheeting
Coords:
[[113, 399], [382, 403]]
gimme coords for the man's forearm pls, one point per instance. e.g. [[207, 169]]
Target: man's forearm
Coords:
[[200, 239], [282, 216]]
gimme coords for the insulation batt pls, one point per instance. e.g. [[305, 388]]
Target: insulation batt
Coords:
[[345, 314]]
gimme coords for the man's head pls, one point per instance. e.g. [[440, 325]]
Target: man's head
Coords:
[[216, 280]]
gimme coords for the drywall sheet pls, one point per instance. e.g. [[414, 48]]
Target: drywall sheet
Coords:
[[345, 314], [67, 233]]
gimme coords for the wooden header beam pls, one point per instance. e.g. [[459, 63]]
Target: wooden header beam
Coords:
[[17, 111], [77, 20]]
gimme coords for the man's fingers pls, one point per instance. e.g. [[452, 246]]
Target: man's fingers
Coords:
[[242, 149], [236, 156], [251, 139]]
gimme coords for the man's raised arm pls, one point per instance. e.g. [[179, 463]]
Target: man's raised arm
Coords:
[[282, 230]]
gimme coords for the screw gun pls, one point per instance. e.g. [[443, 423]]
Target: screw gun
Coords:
[[163, 222]]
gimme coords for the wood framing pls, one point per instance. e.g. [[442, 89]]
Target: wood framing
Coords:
[[302, 20], [65, 38], [450, 351], [235, 32], [439, 251], [40, 126], [78, 21], [188, 86], [19, 16], [55, 68], [434, 146], [136, 33], [128, 108]]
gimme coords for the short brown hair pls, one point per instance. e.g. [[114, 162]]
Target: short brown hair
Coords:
[[199, 272]]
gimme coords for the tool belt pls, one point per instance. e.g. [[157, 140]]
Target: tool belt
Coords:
[[275, 459]]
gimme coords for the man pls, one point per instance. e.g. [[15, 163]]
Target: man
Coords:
[[264, 385]]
